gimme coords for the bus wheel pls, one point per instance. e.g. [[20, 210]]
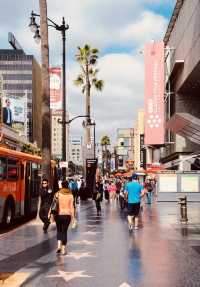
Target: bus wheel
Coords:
[[8, 214]]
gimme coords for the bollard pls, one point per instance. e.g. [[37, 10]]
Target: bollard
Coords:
[[183, 207]]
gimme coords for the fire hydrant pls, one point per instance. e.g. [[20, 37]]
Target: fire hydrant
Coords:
[[183, 209]]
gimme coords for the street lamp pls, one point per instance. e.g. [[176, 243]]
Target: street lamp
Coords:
[[94, 126], [89, 123], [62, 28]]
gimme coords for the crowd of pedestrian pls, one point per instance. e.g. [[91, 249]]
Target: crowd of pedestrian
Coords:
[[60, 206]]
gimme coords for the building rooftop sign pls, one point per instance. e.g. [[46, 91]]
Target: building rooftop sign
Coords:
[[13, 42]]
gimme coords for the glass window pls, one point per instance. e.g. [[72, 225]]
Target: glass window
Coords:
[[3, 169], [12, 171]]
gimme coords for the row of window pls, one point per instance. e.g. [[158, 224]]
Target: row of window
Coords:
[[18, 67], [10, 55], [17, 86], [19, 77]]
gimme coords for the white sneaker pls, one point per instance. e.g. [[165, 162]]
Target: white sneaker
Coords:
[[136, 227]]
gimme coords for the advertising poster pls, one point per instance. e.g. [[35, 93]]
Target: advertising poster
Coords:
[[15, 113], [154, 93], [189, 183], [55, 89], [168, 183]]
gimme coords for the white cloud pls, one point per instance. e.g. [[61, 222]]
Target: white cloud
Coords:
[[106, 24], [116, 106], [149, 26]]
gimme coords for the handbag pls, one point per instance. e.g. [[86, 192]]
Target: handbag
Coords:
[[55, 205], [74, 223]]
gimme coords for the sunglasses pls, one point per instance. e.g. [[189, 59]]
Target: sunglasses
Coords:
[[44, 183]]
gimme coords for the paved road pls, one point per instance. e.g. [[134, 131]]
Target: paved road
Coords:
[[102, 252]]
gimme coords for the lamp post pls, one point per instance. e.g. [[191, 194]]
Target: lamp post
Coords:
[[94, 134], [62, 28]]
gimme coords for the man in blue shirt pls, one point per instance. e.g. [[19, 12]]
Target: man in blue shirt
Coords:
[[134, 192]]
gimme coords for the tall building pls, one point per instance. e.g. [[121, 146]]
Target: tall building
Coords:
[[75, 150], [124, 148], [182, 42], [21, 76], [56, 134]]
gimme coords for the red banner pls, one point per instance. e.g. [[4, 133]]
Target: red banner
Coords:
[[154, 94], [55, 89]]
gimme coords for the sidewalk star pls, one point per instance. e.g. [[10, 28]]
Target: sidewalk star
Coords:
[[87, 242], [91, 232], [125, 285], [79, 255], [67, 276]]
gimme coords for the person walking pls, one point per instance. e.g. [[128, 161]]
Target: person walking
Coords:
[[105, 189], [134, 192], [64, 216], [112, 190], [46, 196], [149, 190], [74, 189], [98, 196]]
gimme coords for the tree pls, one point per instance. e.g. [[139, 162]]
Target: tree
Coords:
[[87, 58], [46, 123], [105, 141]]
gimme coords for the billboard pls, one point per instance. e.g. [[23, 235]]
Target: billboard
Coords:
[[15, 113], [154, 94], [55, 89]]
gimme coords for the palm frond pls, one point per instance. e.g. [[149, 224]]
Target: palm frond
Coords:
[[94, 51], [79, 80], [99, 84]]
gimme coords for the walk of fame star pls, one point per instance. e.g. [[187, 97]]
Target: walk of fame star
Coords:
[[86, 242], [79, 255], [67, 276], [91, 233]]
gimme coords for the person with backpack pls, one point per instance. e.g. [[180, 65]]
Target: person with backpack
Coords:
[[149, 190], [74, 189]]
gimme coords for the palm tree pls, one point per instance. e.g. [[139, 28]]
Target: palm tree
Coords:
[[87, 58], [46, 128], [105, 141]]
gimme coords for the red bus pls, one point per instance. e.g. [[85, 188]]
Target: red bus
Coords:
[[20, 177]]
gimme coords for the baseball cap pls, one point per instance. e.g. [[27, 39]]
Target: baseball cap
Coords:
[[134, 176]]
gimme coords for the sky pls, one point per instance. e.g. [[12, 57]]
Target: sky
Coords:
[[118, 28]]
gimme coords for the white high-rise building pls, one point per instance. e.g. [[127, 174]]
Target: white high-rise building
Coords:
[[75, 150]]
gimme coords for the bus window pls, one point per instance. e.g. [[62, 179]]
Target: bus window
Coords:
[[3, 168], [22, 171], [12, 173]]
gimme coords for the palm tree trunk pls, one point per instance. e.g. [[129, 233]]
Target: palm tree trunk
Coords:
[[87, 105], [46, 122]]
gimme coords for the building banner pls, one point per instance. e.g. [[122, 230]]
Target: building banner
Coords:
[[55, 89], [15, 113], [154, 94]]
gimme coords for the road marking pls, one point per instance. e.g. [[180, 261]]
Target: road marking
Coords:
[[67, 276], [79, 255]]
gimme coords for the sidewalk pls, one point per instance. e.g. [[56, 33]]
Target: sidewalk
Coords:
[[102, 252]]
